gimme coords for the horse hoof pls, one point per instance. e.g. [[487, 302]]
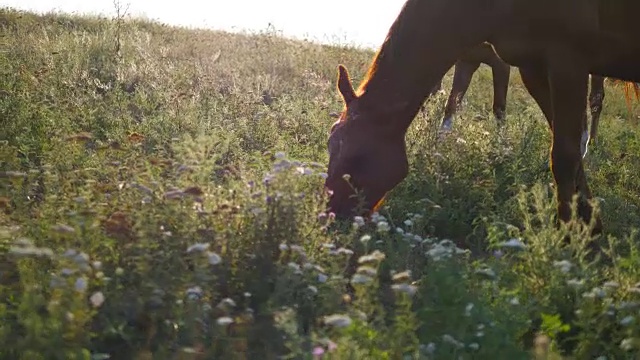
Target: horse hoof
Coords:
[[447, 124]]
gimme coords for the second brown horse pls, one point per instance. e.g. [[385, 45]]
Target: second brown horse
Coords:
[[467, 65]]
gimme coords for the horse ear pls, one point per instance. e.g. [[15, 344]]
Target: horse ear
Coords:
[[344, 85]]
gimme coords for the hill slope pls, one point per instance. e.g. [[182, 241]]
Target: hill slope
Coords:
[[161, 194]]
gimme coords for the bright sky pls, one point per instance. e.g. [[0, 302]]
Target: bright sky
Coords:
[[361, 22]]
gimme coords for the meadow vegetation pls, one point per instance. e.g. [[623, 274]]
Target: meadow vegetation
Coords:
[[161, 197]]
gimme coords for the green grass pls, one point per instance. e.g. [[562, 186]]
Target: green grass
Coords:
[[161, 197]]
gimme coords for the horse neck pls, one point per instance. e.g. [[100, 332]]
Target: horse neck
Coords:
[[396, 91], [420, 47]]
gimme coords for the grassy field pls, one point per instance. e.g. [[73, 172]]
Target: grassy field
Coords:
[[161, 198]]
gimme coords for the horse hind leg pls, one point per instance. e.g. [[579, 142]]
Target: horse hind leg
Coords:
[[464, 71], [596, 99]]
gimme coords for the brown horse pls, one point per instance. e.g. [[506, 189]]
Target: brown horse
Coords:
[[555, 45], [469, 63]]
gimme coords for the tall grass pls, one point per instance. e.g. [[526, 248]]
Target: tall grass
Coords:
[[161, 197]]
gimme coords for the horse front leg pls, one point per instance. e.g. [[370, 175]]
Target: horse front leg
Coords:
[[501, 72], [568, 85], [535, 79]]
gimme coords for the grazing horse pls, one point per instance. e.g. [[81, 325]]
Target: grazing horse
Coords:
[[555, 44], [467, 65]]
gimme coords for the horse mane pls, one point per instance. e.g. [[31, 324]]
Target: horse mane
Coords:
[[372, 70], [386, 49]]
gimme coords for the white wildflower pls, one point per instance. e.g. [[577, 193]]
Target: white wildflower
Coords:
[[468, 308], [486, 272], [564, 265], [589, 295], [427, 241], [367, 270], [224, 321], [344, 251], [97, 299], [514, 244], [611, 284], [81, 284], [194, 292], [361, 279], [402, 276], [214, 259], [70, 253], [405, 288], [383, 227], [376, 217], [451, 340], [303, 170], [337, 320], [575, 283], [598, 292], [322, 278], [627, 320], [81, 258], [430, 348], [439, 252], [375, 256], [199, 247], [63, 229], [226, 303], [627, 344], [295, 267], [628, 305]]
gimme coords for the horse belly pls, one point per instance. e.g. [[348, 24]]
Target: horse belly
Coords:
[[623, 68]]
